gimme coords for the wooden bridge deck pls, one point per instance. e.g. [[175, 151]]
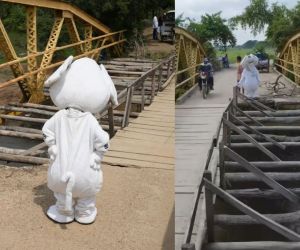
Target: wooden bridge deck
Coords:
[[148, 141], [196, 122], [195, 129]]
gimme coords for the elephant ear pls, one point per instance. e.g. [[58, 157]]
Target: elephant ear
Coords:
[[112, 88], [52, 79]]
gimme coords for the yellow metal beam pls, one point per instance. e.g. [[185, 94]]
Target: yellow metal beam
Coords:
[[88, 34], [38, 95], [9, 53], [73, 33], [31, 44]]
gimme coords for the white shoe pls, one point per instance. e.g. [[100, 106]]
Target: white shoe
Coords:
[[85, 218], [53, 214]]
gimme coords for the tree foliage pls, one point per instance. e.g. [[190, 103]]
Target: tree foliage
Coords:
[[279, 21], [179, 20], [116, 14], [123, 14], [213, 28]]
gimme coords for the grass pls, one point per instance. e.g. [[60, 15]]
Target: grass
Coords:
[[234, 52]]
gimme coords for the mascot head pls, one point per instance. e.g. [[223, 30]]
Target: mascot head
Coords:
[[249, 62], [81, 84]]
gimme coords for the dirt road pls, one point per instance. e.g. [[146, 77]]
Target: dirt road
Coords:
[[132, 213]]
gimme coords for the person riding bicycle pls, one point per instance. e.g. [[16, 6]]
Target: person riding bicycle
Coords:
[[207, 68]]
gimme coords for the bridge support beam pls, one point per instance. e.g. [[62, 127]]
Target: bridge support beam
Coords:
[[74, 35], [8, 50], [31, 45], [38, 94]]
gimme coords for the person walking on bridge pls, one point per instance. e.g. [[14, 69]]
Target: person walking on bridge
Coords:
[[239, 72], [250, 77], [206, 67], [155, 27]]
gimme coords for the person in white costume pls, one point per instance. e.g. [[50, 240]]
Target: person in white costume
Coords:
[[250, 77], [75, 139], [155, 28]]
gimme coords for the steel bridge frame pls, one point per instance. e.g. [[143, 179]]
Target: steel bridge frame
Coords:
[[31, 80], [189, 55], [288, 61]]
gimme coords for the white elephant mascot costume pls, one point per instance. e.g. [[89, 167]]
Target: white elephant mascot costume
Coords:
[[75, 139], [250, 77]]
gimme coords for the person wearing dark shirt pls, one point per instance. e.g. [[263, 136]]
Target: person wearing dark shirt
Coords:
[[208, 69]]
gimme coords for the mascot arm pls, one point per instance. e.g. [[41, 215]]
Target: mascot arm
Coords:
[[242, 80], [49, 138], [101, 145], [101, 141]]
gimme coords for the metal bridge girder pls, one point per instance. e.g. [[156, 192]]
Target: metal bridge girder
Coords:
[[73, 33], [289, 59], [47, 58], [88, 34], [31, 80], [31, 44], [8, 50]]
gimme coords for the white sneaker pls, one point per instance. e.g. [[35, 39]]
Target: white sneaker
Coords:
[[53, 214], [85, 218]]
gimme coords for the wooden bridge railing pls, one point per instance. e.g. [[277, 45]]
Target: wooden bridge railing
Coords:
[[139, 85]]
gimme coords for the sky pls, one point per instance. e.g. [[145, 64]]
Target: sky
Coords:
[[196, 8]]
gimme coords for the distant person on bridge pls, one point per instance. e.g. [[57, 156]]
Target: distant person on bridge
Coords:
[[250, 77], [239, 71], [225, 61], [155, 28], [207, 67]]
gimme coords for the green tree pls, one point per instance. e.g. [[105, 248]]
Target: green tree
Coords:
[[213, 28], [179, 21], [124, 14], [280, 22]]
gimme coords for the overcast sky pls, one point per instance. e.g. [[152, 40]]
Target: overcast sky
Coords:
[[197, 8]]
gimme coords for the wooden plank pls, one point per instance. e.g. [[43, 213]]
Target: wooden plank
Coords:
[[26, 110], [209, 208], [15, 151], [267, 138], [245, 114], [259, 194], [34, 105], [21, 129], [23, 159], [282, 230], [34, 149], [224, 220], [23, 118], [251, 100], [257, 108], [21, 135], [256, 245], [273, 166], [127, 107], [251, 140], [111, 121], [262, 176]]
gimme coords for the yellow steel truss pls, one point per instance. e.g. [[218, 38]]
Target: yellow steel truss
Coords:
[[10, 55], [288, 61], [189, 53], [31, 81]]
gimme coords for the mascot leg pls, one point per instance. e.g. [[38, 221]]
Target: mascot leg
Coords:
[[85, 210], [58, 211]]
